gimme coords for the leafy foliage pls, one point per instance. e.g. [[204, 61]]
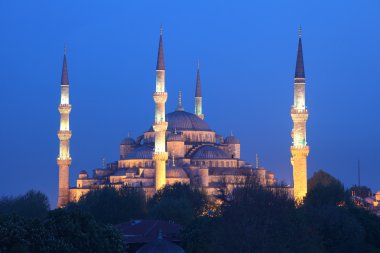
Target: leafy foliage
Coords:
[[33, 204], [178, 202], [324, 190], [110, 205]]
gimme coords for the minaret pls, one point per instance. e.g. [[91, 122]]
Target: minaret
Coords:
[[160, 156], [64, 136], [198, 96], [299, 114]]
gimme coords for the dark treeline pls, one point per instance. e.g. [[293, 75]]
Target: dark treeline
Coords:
[[250, 219]]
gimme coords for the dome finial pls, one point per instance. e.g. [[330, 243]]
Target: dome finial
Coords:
[[161, 29], [232, 134], [300, 31], [175, 130], [129, 135], [180, 107]]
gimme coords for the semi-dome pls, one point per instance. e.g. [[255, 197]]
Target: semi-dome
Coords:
[[176, 173], [128, 141], [144, 152], [231, 140], [210, 152], [175, 137]]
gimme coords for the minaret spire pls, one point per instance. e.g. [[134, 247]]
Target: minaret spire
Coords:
[[64, 135], [300, 71], [160, 58], [300, 114], [160, 156], [198, 95]]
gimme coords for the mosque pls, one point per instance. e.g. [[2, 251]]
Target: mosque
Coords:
[[180, 147]]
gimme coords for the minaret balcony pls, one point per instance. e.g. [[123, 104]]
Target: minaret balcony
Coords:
[[299, 151], [64, 108], [64, 135], [160, 97], [160, 126], [64, 161], [160, 156], [299, 110]]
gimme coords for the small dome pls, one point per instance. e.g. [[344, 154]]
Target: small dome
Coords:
[[175, 137], [83, 172], [160, 245], [231, 140], [144, 152], [128, 141], [270, 174], [176, 173], [210, 152]]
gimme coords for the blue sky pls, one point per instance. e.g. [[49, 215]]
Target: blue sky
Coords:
[[247, 52]]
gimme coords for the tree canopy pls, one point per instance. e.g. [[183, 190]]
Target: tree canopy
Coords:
[[110, 205], [33, 204]]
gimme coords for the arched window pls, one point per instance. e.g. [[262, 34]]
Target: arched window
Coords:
[[228, 164], [222, 164]]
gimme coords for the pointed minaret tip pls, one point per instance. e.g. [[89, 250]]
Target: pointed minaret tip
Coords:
[[300, 70], [160, 58], [198, 89], [65, 75]]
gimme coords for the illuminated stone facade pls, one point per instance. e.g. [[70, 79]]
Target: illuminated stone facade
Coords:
[[179, 147], [299, 114]]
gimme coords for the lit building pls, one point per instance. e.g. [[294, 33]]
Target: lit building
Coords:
[[181, 147]]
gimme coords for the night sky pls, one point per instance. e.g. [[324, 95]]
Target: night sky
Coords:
[[247, 53]]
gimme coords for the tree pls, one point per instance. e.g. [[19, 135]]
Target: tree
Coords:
[[21, 234], [80, 230], [33, 204], [324, 189], [109, 205], [178, 202], [257, 219]]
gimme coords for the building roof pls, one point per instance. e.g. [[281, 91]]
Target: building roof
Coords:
[[143, 231], [143, 152], [210, 152], [176, 173], [160, 245], [182, 120]]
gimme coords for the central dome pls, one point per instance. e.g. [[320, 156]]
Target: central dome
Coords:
[[181, 120]]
